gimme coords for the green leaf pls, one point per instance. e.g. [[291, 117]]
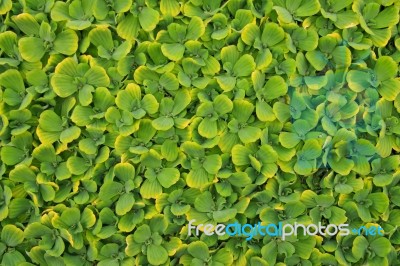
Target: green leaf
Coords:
[[240, 155], [249, 134], [244, 66], [381, 246], [26, 23], [110, 189], [385, 68], [11, 235], [173, 51], [66, 42], [148, 18], [358, 80], [195, 28], [199, 250], [168, 177], [77, 165], [156, 254], [163, 123], [128, 28], [124, 204], [212, 163], [32, 49]]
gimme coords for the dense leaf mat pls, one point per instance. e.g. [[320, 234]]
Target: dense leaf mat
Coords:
[[121, 121]]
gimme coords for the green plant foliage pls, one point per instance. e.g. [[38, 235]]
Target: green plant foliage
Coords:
[[123, 121]]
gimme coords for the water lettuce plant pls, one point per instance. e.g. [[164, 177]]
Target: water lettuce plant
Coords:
[[125, 123]]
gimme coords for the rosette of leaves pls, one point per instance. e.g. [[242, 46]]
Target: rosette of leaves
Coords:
[[229, 180], [139, 144], [105, 8], [301, 131], [157, 174], [283, 188], [343, 184], [337, 12], [121, 121], [302, 39], [330, 54], [49, 243], [203, 10], [242, 127], [51, 163], [260, 158], [337, 112], [292, 11], [113, 254], [174, 38], [5, 198], [359, 151], [306, 162], [376, 20], [156, 60], [107, 48], [203, 166], [189, 76], [81, 163], [158, 85], [18, 150], [345, 153], [178, 203], [201, 57], [53, 128], [385, 170], [287, 213], [371, 249], [71, 77], [355, 38], [323, 207], [11, 56], [15, 94], [218, 27], [389, 128], [131, 100], [147, 240], [142, 15], [43, 39], [11, 239], [72, 224], [382, 78], [20, 121], [270, 135], [196, 137], [172, 112], [96, 113], [212, 112], [38, 7], [298, 108], [390, 226], [133, 60], [198, 253], [266, 92], [235, 66], [37, 185], [306, 78], [78, 14], [92, 139], [40, 86], [209, 209], [368, 205], [275, 250]]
